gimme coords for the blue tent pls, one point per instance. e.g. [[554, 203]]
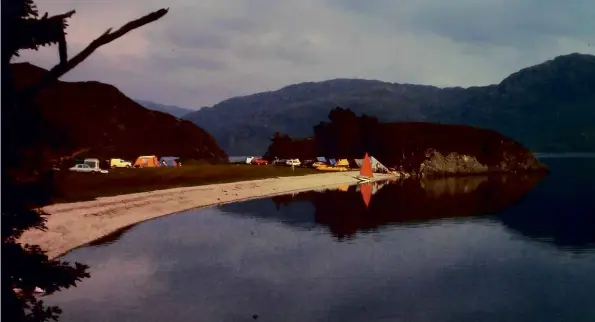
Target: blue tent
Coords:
[[332, 161], [321, 159], [169, 161]]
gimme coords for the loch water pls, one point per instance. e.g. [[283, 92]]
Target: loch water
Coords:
[[498, 248]]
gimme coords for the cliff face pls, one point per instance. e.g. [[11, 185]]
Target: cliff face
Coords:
[[92, 119], [428, 149]]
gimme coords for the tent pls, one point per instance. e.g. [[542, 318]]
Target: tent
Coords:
[[342, 163], [321, 159], [169, 161], [147, 161], [376, 165]]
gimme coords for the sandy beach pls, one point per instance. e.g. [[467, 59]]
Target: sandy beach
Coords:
[[75, 224]]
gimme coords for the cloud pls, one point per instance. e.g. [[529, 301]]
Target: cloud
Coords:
[[204, 52]]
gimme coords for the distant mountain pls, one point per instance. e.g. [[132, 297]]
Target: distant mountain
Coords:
[[169, 109], [92, 119], [548, 107]]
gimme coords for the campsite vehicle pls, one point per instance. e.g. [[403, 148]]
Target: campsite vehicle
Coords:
[[119, 163], [293, 162], [170, 161], [92, 163], [147, 161], [85, 168], [325, 167], [259, 161], [280, 162], [307, 163], [317, 164]]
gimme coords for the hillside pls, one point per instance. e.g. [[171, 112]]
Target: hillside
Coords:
[[97, 120], [169, 109], [547, 107], [428, 149]]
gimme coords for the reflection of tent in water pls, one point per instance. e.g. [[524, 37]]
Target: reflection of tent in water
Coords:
[[367, 191]]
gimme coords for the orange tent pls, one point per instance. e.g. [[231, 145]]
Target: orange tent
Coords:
[[147, 161], [366, 169]]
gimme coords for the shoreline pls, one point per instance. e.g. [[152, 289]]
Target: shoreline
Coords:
[[72, 225]]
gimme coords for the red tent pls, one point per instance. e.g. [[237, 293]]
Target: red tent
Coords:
[[366, 169]]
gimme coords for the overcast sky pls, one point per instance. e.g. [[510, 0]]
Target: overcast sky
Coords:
[[204, 51]]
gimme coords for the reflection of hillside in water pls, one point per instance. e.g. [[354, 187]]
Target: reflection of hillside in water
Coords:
[[413, 201], [408, 202], [562, 209]]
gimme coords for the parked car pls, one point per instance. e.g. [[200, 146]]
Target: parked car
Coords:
[[280, 162], [293, 162], [317, 164], [85, 168], [258, 161], [119, 163], [307, 163]]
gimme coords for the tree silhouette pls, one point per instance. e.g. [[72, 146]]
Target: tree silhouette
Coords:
[[27, 177]]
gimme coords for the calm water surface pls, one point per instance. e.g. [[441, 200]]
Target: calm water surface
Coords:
[[468, 249]]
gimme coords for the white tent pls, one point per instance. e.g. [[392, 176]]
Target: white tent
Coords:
[[376, 165]]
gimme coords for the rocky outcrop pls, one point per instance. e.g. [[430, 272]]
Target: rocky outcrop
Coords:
[[437, 164]]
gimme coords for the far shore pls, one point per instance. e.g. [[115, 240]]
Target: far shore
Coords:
[[75, 224]]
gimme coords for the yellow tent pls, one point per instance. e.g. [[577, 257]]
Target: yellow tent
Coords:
[[342, 163]]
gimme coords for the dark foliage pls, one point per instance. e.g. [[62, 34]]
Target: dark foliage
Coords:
[[399, 144], [27, 176]]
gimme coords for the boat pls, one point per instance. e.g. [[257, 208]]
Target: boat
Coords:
[[365, 172]]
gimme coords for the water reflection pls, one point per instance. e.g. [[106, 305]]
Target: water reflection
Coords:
[[439, 250], [111, 238], [369, 207]]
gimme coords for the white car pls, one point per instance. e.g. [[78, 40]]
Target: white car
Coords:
[[293, 162], [86, 168]]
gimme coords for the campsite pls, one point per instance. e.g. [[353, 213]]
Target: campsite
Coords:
[[72, 186], [150, 172]]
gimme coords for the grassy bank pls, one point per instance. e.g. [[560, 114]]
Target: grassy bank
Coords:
[[70, 186]]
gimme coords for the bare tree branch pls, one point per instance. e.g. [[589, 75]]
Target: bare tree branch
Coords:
[[64, 67], [60, 17]]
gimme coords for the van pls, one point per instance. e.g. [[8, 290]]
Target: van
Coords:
[[119, 163], [293, 162]]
